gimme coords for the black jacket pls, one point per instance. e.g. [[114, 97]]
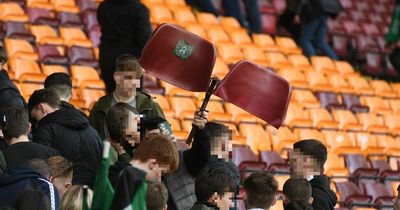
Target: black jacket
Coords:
[[125, 28], [324, 197], [68, 131], [9, 93]]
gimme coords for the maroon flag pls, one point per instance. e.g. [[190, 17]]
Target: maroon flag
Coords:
[[257, 90], [179, 57]]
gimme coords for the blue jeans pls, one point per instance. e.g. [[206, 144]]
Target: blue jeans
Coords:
[[232, 9], [315, 30]]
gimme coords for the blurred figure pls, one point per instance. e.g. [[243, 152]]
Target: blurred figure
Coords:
[[313, 29], [307, 161], [32, 200], [125, 29], [289, 19], [61, 170], [156, 196], [260, 191], [74, 197], [297, 195]]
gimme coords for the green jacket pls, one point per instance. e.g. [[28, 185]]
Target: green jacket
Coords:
[[144, 105]]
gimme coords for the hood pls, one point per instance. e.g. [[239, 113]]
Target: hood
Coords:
[[5, 81], [17, 174], [70, 118], [67, 105], [322, 183]]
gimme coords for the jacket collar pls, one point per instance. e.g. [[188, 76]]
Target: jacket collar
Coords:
[[143, 102]]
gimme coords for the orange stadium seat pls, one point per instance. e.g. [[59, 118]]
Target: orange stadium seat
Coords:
[[240, 38], [340, 143], [160, 14], [256, 137], [383, 89], [391, 148], [266, 42], [295, 78], [306, 98], [218, 35], [360, 85], [183, 17], [395, 105], [347, 120], [393, 123], [177, 128], [220, 68], [176, 4], [27, 89], [318, 81], [164, 104], [18, 48], [184, 106], [368, 144], [46, 35], [255, 54], [372, 123], [50, 69], [335, 168], [287, 45], [86, 76], [277, 60], [90, 96], [175, 91], [43, 4], [376, 105], [306, 133], [322, 119], [65, 6], [339, 84], [230, 53], [75, 36], [344, 68], [150, 3], [196, 29], [300, 62], [26, 70], [11, 11], [396, 87], [282, 138], [323, 64], [238, 114], [297, 117], [207, 20], [230, 24]]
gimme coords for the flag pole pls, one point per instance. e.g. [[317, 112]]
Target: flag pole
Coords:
[[209, 92]]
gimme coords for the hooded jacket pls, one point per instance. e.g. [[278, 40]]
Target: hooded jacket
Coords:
[[68, 131], [18, 179], [324, 197], [9, 93]]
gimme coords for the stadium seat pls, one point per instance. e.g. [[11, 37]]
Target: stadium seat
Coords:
[[246, 160], [207, 20], [340, 143], [43, 4], [218, 35], [94, 35], [68, 19], [177, 128], [27, 89], [318, 81], [265, 41], [239, 115], [351, 195], [322, 119], [323, 64], [330, 100], [176, 4], [295, 78], [74, 37], [310, 134], [86, 6], [347, 121], [395, 105], [376, 105], [240, 37], [306, 98], [42, 17], [393, 123], [300, 62], [183, 106], [230, 24], [297, 117], [275, 163], [160, 14], [277, 60], [86, 77], [335, 168], [359, 167], [165, 105], [17, 48], [360, 85], [353, 103], [197, 29], [383, 89], [391, 145], [372, 123], [52, 54], [230, 53], [255, 54], [11, 11], [50, 69], [65, 6], [91, 96], [282, 139], [183, 16], [18, 30], [220, 68], [82, 56], [256, 137], [386, 174], [26, 70], [339, 84], [46, 35], [373, 65], [287, 45], [381, 197], [369, 145]]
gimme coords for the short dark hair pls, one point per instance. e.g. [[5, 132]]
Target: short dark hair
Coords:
[[43, 96], [216, 129], [3, 55], [156, 196], [128, 63], [116, 121], [297, 189], [60, 83], [313, 148], [17, 122], [298, 205], [39, 166], [261, 190], [214, 180], [32, 200]]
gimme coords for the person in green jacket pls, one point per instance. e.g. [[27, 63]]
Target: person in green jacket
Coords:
[[127, 75], [393, 35]]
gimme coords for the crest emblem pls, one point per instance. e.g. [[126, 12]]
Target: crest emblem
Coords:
[[183, 50]]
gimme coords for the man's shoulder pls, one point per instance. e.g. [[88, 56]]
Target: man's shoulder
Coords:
[[103, 103]]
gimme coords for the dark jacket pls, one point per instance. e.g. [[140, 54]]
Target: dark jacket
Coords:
[[144, 105], [68, 131], [203, 206], [9, 93], [18, 179], [324, 197], [310, 10]]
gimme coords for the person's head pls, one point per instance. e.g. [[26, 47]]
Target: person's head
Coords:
[[298, 205], [127, 74], [61, 170], [220, 136], [41, 103], [216, 186], [396, 200], [260, 189], [17, 123], [3, 57], [307, 158], [39, 166], [297, 189], [73, 198], [158, 147], [32, 200], [122, 125], [61, 84], [156, 196]]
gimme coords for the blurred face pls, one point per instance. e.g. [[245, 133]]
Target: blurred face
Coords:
[[303, 166], [221, 146], [396, 202], [131, 132], [127, 82], [223, 202], [38, 112], [156, 171]]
